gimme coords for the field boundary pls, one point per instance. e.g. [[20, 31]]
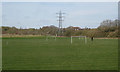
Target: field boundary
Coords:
[[106, 38], [12, 36]]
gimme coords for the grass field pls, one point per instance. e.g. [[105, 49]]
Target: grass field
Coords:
[[35, 53]]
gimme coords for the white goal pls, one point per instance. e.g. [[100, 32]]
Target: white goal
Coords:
[[51, 37], [79, 38]]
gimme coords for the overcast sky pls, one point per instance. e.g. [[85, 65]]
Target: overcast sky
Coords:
[[39, 14]]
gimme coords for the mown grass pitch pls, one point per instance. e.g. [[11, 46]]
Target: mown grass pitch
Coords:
[[36, 53]]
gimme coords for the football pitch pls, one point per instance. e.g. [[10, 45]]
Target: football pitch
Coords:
[[37, 53]]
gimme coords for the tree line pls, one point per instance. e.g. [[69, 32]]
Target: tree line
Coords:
[[107, 28]]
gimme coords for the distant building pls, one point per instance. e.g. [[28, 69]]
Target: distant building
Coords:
[[76, 28]]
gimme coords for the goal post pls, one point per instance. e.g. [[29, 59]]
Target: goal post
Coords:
[[79, 38]]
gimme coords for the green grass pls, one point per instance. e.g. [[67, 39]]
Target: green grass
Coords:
[[0, 54], [38, 54]]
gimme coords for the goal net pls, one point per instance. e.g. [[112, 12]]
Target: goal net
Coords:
[[79, 38]]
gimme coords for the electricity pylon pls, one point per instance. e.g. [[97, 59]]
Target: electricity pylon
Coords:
[[60, 19]]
